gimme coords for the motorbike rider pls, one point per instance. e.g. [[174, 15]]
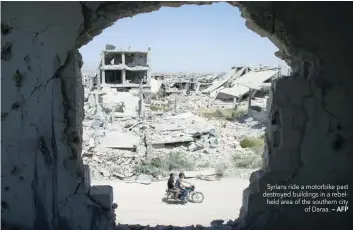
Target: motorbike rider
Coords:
[[181, 184], [172, 188]]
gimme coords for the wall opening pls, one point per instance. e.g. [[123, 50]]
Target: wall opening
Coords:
[[113, 58], [113, 77], [136, 77], [177, 124], [136, 59]]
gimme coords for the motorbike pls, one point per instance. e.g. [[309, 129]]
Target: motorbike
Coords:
[[193, 196]]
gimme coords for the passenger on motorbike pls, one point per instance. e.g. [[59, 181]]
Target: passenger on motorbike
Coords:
[[172, 188], [181, 184]]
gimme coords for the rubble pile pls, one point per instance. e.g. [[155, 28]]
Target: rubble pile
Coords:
[[123, 131]]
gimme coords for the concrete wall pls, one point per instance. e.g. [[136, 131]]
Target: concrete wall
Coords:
[[309, 136], [260, 116], [42, 112], [309, 139], [303, 147]]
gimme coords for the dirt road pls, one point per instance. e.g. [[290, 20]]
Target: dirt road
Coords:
[[142, 204]]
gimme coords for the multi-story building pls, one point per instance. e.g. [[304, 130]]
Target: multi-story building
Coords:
[[125, 69]]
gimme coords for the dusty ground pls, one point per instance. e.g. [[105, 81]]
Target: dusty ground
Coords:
[[143, 204]]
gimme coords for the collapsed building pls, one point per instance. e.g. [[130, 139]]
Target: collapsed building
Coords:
[[227, 86], [239, 83], [308, 141], [235, 84]]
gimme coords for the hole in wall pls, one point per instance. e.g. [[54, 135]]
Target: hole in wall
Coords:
[[120, 165], [113, 77]]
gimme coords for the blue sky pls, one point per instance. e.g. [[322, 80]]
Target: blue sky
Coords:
[[190, 38]]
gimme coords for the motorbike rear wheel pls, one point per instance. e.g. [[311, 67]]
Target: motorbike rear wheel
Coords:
[[197, 197], [170, 197]]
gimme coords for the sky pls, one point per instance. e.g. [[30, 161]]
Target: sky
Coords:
[[210, 38]]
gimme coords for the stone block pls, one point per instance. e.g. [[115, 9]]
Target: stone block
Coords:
[[102, 195]]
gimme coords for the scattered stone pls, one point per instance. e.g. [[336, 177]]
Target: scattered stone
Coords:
[[213, 142], [105, 173], [194, 147], [118, 175], [206, 151], [144, 179]]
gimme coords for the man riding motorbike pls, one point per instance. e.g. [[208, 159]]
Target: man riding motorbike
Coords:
[[172, 188], [181, 184]]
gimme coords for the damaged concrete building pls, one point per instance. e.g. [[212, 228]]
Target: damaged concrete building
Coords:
[[125, 69], [176, 83], [44, 184], [235, 84], [89, 80]]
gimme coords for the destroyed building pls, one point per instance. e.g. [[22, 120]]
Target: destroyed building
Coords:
[[236, 83], [89, 80], [176, 83], [125, 69]]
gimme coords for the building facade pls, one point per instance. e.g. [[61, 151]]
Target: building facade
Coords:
[[125, 69]]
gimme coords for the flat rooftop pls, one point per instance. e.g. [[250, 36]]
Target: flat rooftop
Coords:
[[125, 51]]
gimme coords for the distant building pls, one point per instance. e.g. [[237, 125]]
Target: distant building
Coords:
[[89, 79]]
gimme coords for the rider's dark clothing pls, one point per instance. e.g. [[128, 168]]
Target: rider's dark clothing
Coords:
[[172, 188], [171, 183]]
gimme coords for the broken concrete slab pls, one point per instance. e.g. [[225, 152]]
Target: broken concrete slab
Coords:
[[189, 122], [160, 143], [252, 79], [163, 127], [233, 74], [120, 140]]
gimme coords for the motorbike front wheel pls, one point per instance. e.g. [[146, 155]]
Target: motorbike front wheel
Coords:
[[197, 197]]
